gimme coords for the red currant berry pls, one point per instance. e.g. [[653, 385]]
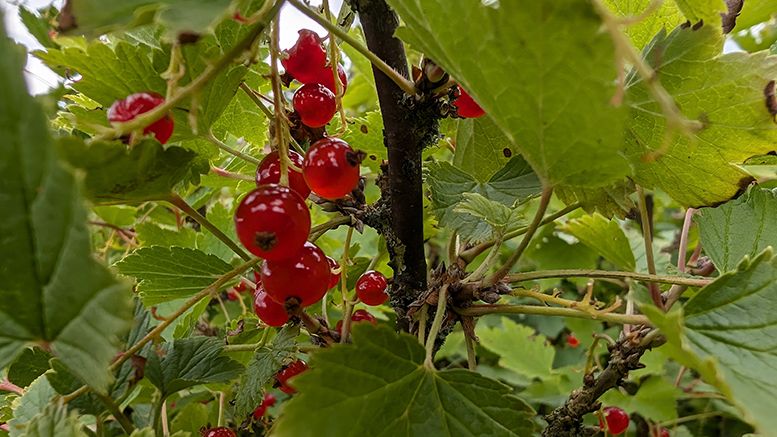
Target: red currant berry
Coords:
[[315, 104], [573, 341], [661, 432], [272, 222], [307, 58], [221, 431], [241, 287], [370, 288], [270, 311], [331, 168], [333, 266], [305, 275], [293, 369], [357, 316], [327, 78], [122, 111], [269, 401], [269, 172], [617, 420], [467, 107]]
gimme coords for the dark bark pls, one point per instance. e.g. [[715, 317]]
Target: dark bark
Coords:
[[406, 133]]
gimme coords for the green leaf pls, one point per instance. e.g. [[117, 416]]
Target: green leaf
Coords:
[[152, 234], [514, 182], [366, 134], [745, 226], [559, 116], [605, 237], [520, 348], [698, 10], [122, 216], [480, 148], [55, 421], [190, 419], [725, 93], [189, 362], [64, 382], [728, 335], [93, 17], [380, 386], [640, 33], [224, 219], [53, 290], [30, 364], [115, 172], [610, 201], [40, 24], [755, 12], [266, 363], [167, 273], [500, 217], [656, 399], [32, 402]]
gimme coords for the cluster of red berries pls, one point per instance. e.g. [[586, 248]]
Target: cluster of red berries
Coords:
[[306, 62]]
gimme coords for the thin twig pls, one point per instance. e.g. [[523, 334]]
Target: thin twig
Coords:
[[482, 310], [582, 273], [212, 138], [442, 300], [253, 95], [472, 363], [655, 292]]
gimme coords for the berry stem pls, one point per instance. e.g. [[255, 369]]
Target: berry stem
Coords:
[[212, 138], [228, 174], [422, 324], [176, 200], [156, 332], [584, 273], [196, 85], [318, 231], [491, 258], [647, 228], [482, 310], [406, 86], [442, 300], [117, 414], [254, 96], [684, 239], [469, 255], [278, 102], [344, 272], [472, 362], [547, 192]]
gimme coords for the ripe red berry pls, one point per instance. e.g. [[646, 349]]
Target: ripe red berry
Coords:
[[269, 172], [327, 78], [135, 104], [331, 168], [315, 104], [241, 287], [221, 431], [293, 369], [357, 316], [269, 401], [333, 265], [305, 275], [661, 432], [573, 341], [617, 419], [370, 288], [272, 222], [270, 311], [467, 107], [307, 58]]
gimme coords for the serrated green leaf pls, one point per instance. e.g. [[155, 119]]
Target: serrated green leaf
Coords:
[[53, 290], [115, 172], [224, 219], [152, 234], [500, 217], [725, 93], [520, 349], [480, 148], [610, 201], [32, 402], [188, 362], [728, 335], [366, 134], [605, 237], [30, 364], [745, 226], [559, 116], [167, 273], [514, 182], [640, 33], [55, 421], [266, 363], [390, 392], [93, 17], [656, 399], [698, 10]]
